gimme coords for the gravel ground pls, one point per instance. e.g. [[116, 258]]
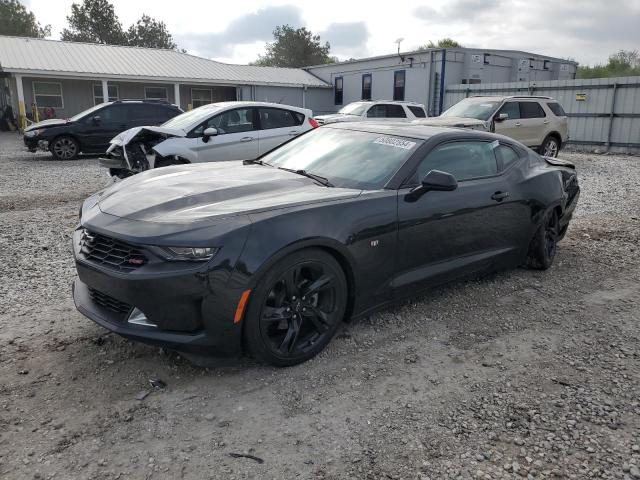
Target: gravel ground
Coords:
[[522, 374]]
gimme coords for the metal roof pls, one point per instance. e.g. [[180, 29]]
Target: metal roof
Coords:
[[35, 56]]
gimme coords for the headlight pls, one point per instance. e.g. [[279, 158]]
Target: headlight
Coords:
[[190, 254], [33, 133]]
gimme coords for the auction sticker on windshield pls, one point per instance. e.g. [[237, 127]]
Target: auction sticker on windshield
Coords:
[[395, 142]]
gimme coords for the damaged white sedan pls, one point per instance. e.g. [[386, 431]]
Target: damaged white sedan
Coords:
[[215, 132]]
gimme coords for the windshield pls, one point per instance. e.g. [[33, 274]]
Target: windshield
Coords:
[[472, 108], [191, 118], [347, 158], [354, 109], [80, 115]]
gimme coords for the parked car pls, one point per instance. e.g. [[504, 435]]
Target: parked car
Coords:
[[269, 256], [379, 110], [91, 130], [537, 122], [215, 132]]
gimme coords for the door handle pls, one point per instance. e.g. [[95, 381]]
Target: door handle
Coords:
[[293, 132], [246, 139], [499, 196], [545, 122]]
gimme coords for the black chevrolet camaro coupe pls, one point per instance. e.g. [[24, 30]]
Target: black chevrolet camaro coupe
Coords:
[[268, 257]]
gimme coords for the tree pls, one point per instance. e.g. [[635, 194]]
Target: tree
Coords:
[[16, 20], [94, 21], [148, 32], [442, 43], [294, 48], [625, 63]]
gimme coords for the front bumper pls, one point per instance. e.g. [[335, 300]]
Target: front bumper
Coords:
[[33, 144], [192, 309]]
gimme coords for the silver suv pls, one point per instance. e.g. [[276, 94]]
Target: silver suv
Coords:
[[537, 122], [377, 110]]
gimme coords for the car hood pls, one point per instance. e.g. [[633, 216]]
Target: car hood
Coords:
[[451, 122], [53, 122], [184, 194], [125, 137], [337, 117]]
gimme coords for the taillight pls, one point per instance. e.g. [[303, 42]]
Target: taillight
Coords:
[[313, 122]]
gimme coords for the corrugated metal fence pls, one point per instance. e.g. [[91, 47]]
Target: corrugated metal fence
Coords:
[[604, 113]]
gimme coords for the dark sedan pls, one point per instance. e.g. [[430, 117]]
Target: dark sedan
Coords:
[[268, 257], [91, 130]]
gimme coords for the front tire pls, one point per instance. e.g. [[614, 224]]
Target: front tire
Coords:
[[64, 148], [550, 147], [542, 249], [296, 308]]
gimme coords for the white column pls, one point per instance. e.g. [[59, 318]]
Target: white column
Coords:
[[105, 91], [176, 94], [22, 112]]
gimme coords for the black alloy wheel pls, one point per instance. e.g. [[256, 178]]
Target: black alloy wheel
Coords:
[[297, 309], [65, 148]]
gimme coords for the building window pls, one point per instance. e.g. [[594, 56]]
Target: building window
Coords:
[[97, 93], [366, 86], [337, 91], [398, 85], [486, 58], [156, 93], [200, 96], [545, 65], [48, 94]]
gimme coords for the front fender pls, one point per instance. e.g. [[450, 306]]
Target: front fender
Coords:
[[175, 147]]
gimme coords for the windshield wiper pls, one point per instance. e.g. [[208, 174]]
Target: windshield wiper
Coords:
[[312, 176]]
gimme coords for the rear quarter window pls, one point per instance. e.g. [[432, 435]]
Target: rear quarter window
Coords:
[[507, 156], [417, 111], [557, 109]]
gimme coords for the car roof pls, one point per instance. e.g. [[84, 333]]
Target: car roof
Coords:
[[510, 97], [243, 103], [411, 130], [399, 102]]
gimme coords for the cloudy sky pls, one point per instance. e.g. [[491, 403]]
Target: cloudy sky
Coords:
[[585, 30]]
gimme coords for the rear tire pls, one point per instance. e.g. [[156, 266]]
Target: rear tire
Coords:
[[543, 246], [64, 147], [296, 308], [550, 147]]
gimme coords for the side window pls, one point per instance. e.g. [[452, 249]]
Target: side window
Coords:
[[115, 114], [144, 111], [557, 109], [395, 111], [231, 121], [507, 155], [463, 160], [276, 118], [531, 110], [417, 111], [512, 109], [377, 111]]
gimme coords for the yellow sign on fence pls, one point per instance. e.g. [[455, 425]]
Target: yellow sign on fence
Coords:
[[581, 97]]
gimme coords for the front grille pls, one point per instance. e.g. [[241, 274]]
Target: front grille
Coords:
[[110, 253], [109, 302]]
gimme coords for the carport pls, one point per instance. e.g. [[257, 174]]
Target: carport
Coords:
[[44, 76]]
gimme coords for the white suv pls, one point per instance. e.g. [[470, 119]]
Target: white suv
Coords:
[[537, 122], [211, 133], [375, 110]]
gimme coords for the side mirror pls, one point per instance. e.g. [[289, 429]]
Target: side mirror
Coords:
[[208, 133], [501, 117], [96, 119], [439, 181], [434, 180]]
